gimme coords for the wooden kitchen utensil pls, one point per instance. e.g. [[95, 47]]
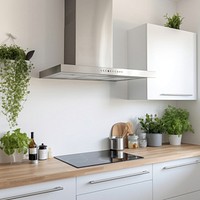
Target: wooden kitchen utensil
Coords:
[[120, 129]]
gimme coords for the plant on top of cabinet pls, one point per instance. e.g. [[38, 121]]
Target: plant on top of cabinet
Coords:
[[153, 126], [14, 80], [176, 122], [174, 22]]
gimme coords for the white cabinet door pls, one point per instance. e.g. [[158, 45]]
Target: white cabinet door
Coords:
[[61, 190], [175, 178], [191, 196], [138, 191], [169, 52]]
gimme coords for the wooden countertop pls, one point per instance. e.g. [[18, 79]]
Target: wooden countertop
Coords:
[[13, 175]]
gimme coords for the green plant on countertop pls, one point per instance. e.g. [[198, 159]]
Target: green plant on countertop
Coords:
[[176, 121], [15, 141], [151, 124], [174, 22], [14, 80]]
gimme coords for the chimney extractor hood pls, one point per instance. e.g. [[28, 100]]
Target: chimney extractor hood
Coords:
[[88, 45], [65, 71]]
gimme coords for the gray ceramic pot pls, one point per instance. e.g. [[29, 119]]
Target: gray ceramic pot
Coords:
[[154, 139]]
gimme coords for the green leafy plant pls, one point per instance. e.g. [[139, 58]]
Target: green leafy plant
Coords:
[[15, 141], [174, 22], [176, 121], [151, 124], [12, 52], [14, 80]]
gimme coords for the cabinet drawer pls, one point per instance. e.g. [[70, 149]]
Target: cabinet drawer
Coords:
[[101, 181], [127, 192], [191, 196], [60, 189], [176, 178]]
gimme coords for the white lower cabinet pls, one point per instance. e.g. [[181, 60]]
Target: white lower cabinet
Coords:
[[60, 190], [177, 180], [132, 183], [174, 180]]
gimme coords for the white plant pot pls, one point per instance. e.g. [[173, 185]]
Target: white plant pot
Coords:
[[4, 158], [175, 139], [14, 158]]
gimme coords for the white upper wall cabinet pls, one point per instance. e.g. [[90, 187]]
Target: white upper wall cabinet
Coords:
[[169, 52]]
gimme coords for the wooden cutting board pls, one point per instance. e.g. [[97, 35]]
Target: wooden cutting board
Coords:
[[118, 129], [122, 129]]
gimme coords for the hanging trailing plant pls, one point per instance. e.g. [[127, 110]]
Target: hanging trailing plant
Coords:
[[14, 80]]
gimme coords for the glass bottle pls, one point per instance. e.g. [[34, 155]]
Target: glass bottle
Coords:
[[33, 152]]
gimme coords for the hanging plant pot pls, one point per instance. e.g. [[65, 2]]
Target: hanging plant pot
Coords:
[[175, 139], [14, 81]]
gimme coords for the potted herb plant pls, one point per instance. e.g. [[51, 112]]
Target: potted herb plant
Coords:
[[14, 80], [176, 123], [15, 145], [173, 22], [152, 125]]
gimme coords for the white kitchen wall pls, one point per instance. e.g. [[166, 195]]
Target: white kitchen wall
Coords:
[[73, 116], [190, 11]]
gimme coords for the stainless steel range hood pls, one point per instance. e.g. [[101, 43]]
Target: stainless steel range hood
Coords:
[[93, 73], [88, 45]]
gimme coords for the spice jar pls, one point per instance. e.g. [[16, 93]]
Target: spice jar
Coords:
[[142, 140], [42, 152], [133, 141]]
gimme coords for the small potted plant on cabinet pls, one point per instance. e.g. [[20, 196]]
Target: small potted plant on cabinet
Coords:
[[176, 122], [174, 22], [152, 125]]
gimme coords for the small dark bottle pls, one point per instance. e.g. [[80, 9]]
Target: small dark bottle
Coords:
[[33, 151]]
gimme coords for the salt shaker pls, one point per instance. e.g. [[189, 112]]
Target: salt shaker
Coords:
[[142, 140]]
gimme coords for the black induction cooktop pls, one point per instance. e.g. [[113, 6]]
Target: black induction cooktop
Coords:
[[96, 158]]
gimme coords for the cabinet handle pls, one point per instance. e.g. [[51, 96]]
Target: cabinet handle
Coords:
[[33, 193], [180, 165], [181, 95], [118, 177]]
